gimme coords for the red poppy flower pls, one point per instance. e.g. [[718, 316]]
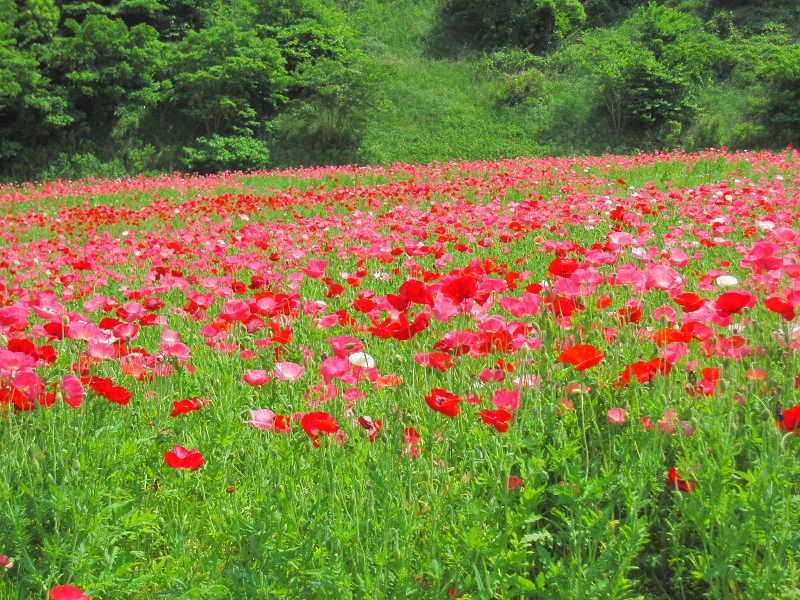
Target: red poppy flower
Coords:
[[460, 289], [496, 418], [119, 395], [181, 407], [416, 292], [181, 458], [563, 267], [789, 419], [731, 303], [562, 306], [676, 481], [67, 592], [689, 302], [443, 401], [583, 356], [514, 482], [316, 423], [780, 306]]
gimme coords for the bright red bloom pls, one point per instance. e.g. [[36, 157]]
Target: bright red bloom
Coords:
[[562, 306], [316, 423], [676, 481], [497, 418], [416, 292], [776, 305], [119, 394], [443, 402], [460, 289], [67, 592], [789, 419], [731, 303], [644, 372], [689, 302], [583, 356], [181, 407], [514, 482], [563, 267], [181, 458]]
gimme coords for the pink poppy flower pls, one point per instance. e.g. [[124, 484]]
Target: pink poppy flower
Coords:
[[262, 419], [67, 592], [256, 377], [287, 371], [72, 390], [506, 399], [616, 416]]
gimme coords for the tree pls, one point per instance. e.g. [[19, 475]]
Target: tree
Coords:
[[228, 79]]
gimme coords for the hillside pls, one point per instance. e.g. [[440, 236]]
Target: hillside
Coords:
[[114, 88]]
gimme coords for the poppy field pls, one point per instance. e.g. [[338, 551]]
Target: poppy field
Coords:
[[528, 378]]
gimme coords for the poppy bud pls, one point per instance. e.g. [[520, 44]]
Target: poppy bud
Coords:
[[161, 522], [765, 415], [174, 523], [76, 465]]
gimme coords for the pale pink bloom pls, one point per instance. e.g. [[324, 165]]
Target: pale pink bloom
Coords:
[[506, 399], [665, 311], [5, 562], [179, 350], [527, 306], [312, 308], [72, 389], [353, 394], [262, 419], [619, 240], [444, 308], [616, 416], [256, 377], [678, 258], [126, 330], [134, 310], [86, 331], [102, 350], [15, 361], [672, 353], [663, 278], [288, 371], [170, 337]]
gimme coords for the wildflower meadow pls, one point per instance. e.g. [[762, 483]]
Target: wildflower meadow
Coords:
[[529, 378]]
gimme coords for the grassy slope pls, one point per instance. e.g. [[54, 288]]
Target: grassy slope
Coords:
[[442, 108]]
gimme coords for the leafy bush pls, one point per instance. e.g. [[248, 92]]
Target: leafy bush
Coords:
[[518, 88], [530, 24], [232, 153]]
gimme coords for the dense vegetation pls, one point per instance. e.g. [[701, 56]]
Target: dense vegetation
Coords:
[[126, 86]]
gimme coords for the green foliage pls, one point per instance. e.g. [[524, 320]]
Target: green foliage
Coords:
[[336, 101], [226, 153], [531, 24], [228, 79]]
